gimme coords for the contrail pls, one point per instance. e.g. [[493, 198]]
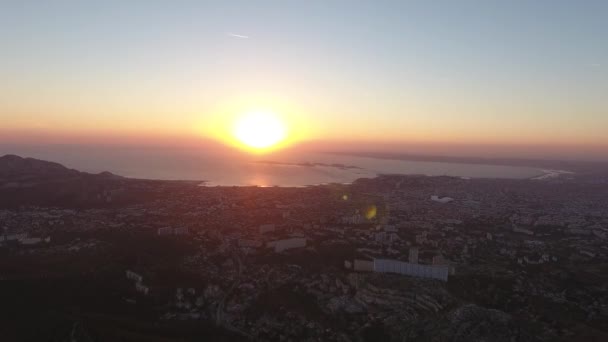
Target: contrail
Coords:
[[237, 35]]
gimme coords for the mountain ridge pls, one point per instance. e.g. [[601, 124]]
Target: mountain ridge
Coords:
[[14, 166]]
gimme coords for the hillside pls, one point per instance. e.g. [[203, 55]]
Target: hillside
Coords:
[[29, 181], [15, 167]]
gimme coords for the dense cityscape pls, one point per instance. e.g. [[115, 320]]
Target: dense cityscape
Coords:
[[394, 258]]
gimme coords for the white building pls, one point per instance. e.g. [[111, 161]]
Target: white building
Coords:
[[444, 200], [421, 238], [283, 245], [13, 237], [249, 243], [30, 241], [385, 238], [439, 272]]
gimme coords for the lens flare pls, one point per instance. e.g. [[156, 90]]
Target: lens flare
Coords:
[[371, 212]]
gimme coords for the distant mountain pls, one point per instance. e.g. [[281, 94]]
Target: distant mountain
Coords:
[[29, 181], [578, 166], [14, 167]]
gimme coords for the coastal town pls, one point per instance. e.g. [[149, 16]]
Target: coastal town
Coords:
[[390, 258]]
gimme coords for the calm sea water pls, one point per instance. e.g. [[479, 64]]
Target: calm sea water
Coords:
[[221, 169]]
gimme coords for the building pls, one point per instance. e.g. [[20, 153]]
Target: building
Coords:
[[421, 238], [413, 257], [385, 238], [444, 200], [285, 244], [134, 276], [353, 219], [517, 229], [165, 231], [141, 288], [181, 231], [439, 260], [363, 265], [439, 272], [249, 243], [13, 237], [30, 241], [390, 228], [266, 228]]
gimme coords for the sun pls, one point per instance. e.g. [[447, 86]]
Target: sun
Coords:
[[259, 130]]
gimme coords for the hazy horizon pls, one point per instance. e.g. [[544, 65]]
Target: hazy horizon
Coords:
[[432, 149]]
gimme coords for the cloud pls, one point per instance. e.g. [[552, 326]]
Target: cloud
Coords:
[[234, 35]]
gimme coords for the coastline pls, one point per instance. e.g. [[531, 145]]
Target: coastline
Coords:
[[549, 174]]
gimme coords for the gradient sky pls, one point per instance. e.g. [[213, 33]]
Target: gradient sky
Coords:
[[467, 72]]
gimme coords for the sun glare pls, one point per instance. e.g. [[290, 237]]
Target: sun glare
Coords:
[[260, 130]]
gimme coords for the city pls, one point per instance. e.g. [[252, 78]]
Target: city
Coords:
[[389, 258]]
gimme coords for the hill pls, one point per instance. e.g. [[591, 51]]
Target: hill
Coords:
[[29, 181], [15, 167]]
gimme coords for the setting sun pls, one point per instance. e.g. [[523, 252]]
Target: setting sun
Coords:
[[259, 130]]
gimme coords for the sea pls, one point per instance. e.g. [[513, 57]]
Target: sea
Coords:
[[287, 168]]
